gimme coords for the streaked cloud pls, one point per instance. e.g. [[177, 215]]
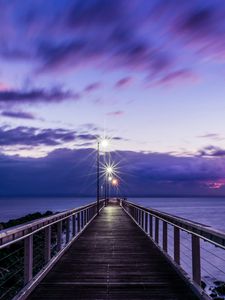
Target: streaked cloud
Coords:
[[116, 113], [123, 82], [92, 87], [18, 114], [36, 95]]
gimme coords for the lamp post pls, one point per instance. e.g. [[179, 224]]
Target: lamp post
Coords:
[[98, 196], [108, 184], [115, 183], [104, 143], [108, 172]]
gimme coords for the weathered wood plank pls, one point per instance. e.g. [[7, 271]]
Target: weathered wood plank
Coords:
[[112, 259]]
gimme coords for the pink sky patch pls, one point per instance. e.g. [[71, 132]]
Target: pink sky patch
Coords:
[[4, 86], [215, 185], [178, 76]]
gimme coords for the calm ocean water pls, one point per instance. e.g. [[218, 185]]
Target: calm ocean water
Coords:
[[209, 211]]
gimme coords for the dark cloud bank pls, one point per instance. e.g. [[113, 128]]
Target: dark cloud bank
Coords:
[[32, 136], [72, 173]]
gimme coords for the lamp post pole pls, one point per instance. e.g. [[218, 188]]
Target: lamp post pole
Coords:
[[105, 190], [98, 181]]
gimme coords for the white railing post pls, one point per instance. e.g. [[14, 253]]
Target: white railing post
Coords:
[[165, 238], [142, 219], [78, 222], [47, 249], [150, 225], [196, 261], [156, 230], [28, 259], [74, 225], [146, 222], [59, 236], [176, 238], [67, 230]]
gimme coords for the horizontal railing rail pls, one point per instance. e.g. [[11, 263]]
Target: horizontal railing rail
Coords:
[[27, 252], [14, 234], [205, 232], [154, 223]]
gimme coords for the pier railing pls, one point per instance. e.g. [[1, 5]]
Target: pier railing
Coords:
[[195, 250], [28, 252]]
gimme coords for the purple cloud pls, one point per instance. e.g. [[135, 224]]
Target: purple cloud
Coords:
[[214, 136], [18, 115], [212, 151], [36, 95], [131, 35], [176, 77], [123, 82], [94, 13], [92, 87], [117, 46], [32, 136]]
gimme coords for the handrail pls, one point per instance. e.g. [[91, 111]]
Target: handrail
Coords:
[[205, 232], [14, 234], [53, 241], [155, 225]]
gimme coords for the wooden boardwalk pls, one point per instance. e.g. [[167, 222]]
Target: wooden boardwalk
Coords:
[[112, 259]]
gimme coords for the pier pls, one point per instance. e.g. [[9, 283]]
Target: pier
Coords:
[[122, 253]]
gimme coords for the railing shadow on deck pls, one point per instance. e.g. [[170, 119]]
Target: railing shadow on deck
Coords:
[[29, 251], [190, 247]]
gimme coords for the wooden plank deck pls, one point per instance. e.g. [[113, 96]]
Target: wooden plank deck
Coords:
[[112, 259]]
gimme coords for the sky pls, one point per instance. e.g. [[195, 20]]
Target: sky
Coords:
[[150, 75]]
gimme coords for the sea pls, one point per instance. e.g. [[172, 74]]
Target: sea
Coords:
[[206, 210], [209, 211]]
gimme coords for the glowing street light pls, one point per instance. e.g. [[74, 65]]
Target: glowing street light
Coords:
[[115, 182], [109, 170], [104, 143]]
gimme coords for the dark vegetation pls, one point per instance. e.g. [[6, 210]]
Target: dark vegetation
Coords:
[[25, 219]]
